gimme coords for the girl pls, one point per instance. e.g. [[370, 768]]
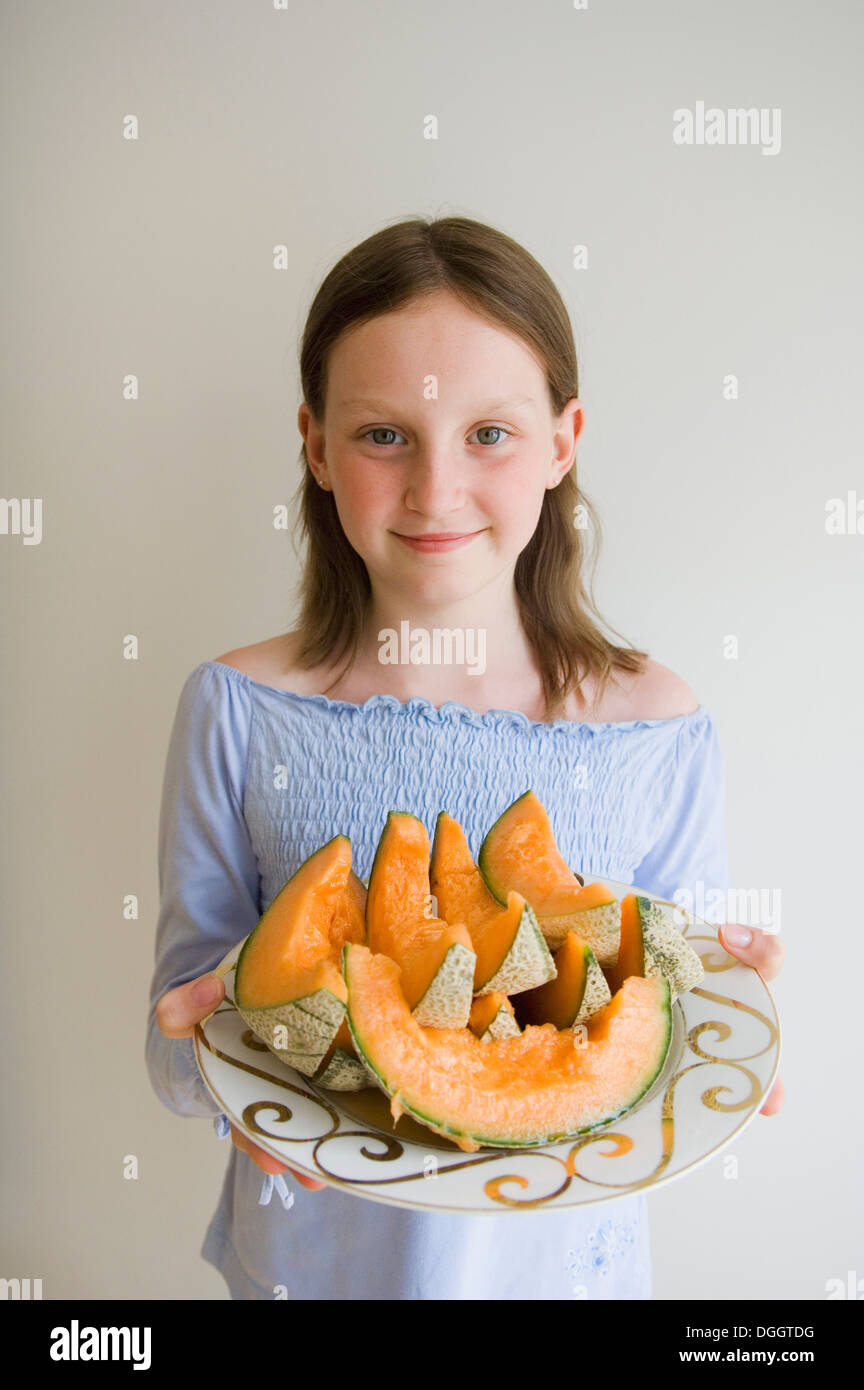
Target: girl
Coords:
[[439, 421]]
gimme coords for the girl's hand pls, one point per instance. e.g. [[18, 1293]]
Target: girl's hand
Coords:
[[177, 1013], [766, 953]]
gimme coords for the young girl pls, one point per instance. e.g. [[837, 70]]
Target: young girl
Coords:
[[440, 419]]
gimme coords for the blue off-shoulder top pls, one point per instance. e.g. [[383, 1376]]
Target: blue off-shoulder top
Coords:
[[256, 779]]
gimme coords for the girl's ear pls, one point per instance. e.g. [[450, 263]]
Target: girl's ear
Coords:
[[568, 428]]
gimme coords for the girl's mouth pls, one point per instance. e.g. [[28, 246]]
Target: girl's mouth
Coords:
[[438, 540]]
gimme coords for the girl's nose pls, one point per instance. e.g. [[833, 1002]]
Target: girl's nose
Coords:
[[436, 484]]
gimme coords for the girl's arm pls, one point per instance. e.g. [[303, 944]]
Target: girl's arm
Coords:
[[208, 873]]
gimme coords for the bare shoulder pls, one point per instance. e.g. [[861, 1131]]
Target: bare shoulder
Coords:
[[272, 662], [659, 693]]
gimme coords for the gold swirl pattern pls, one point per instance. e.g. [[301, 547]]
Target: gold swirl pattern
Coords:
[[713, 966], [376, 1143]]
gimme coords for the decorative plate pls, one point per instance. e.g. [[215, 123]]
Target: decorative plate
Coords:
[[723, 1059]]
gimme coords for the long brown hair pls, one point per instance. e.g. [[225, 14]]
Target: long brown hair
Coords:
[[497, 278]]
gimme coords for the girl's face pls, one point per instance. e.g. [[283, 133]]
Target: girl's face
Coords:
[[438, 423]]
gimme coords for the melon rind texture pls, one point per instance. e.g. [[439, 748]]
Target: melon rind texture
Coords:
[[503, 1025], [596, 993], [311, 1022], [346, 1073], [599, 926], [447, 1001], [527, 964], [667, 952]]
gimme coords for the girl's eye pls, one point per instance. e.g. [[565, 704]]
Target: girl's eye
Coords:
[[380, 429], [499, 428], [385, 429]]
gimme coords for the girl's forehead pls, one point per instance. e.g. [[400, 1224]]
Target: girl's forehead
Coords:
[[372, 362]]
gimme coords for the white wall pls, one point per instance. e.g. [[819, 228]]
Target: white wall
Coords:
[[304, 126]]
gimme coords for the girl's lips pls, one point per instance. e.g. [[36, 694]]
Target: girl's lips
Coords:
[[439, 541]]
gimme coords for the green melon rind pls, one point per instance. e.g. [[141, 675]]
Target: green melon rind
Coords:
[[503, 1025], [447, 1001], [599, 926], [346, 1073], [667, 952], [450, 1131], [527, 965], [596, 993], [311, 1022]]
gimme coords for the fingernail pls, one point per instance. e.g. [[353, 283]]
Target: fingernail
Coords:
[[206, 991], [737, 935]]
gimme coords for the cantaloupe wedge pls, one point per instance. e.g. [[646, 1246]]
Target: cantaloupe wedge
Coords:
[[436, 958], [342, 1069], [492, 1016], [519, 854], [578, 991], [536, 1088], [651, 944], [512, 954], [288, 983]]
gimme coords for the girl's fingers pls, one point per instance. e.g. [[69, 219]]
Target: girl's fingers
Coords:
[[763, 950], [312, 1183], [180, 1009], [776, 1097], [177, 1013], [268, 1164]]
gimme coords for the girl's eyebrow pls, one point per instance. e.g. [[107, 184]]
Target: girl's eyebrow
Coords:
[[491, 407]]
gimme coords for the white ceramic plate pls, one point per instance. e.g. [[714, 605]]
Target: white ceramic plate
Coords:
[[722, 1061]]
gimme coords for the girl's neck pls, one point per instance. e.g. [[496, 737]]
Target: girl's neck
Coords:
[[473, 651]]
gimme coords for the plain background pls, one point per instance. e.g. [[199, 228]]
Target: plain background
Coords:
[[304, 127]]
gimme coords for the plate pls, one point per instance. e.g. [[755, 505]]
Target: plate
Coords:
[[722, 1061]]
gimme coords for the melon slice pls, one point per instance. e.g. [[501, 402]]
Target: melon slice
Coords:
[[436, 959], [515, 1092], [519, 854], [342, 1069], [651, 944], [288, 985], [512, 954], [493, 1016], [578, 991]]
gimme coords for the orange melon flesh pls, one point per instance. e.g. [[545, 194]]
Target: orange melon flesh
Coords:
[[493, 939], [457, 883], [631, 955], [485, 1008], [558, 1001], [520, 853], [423, 959], [508, 1092], [399, 921], [462, 896], [295, 948]]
